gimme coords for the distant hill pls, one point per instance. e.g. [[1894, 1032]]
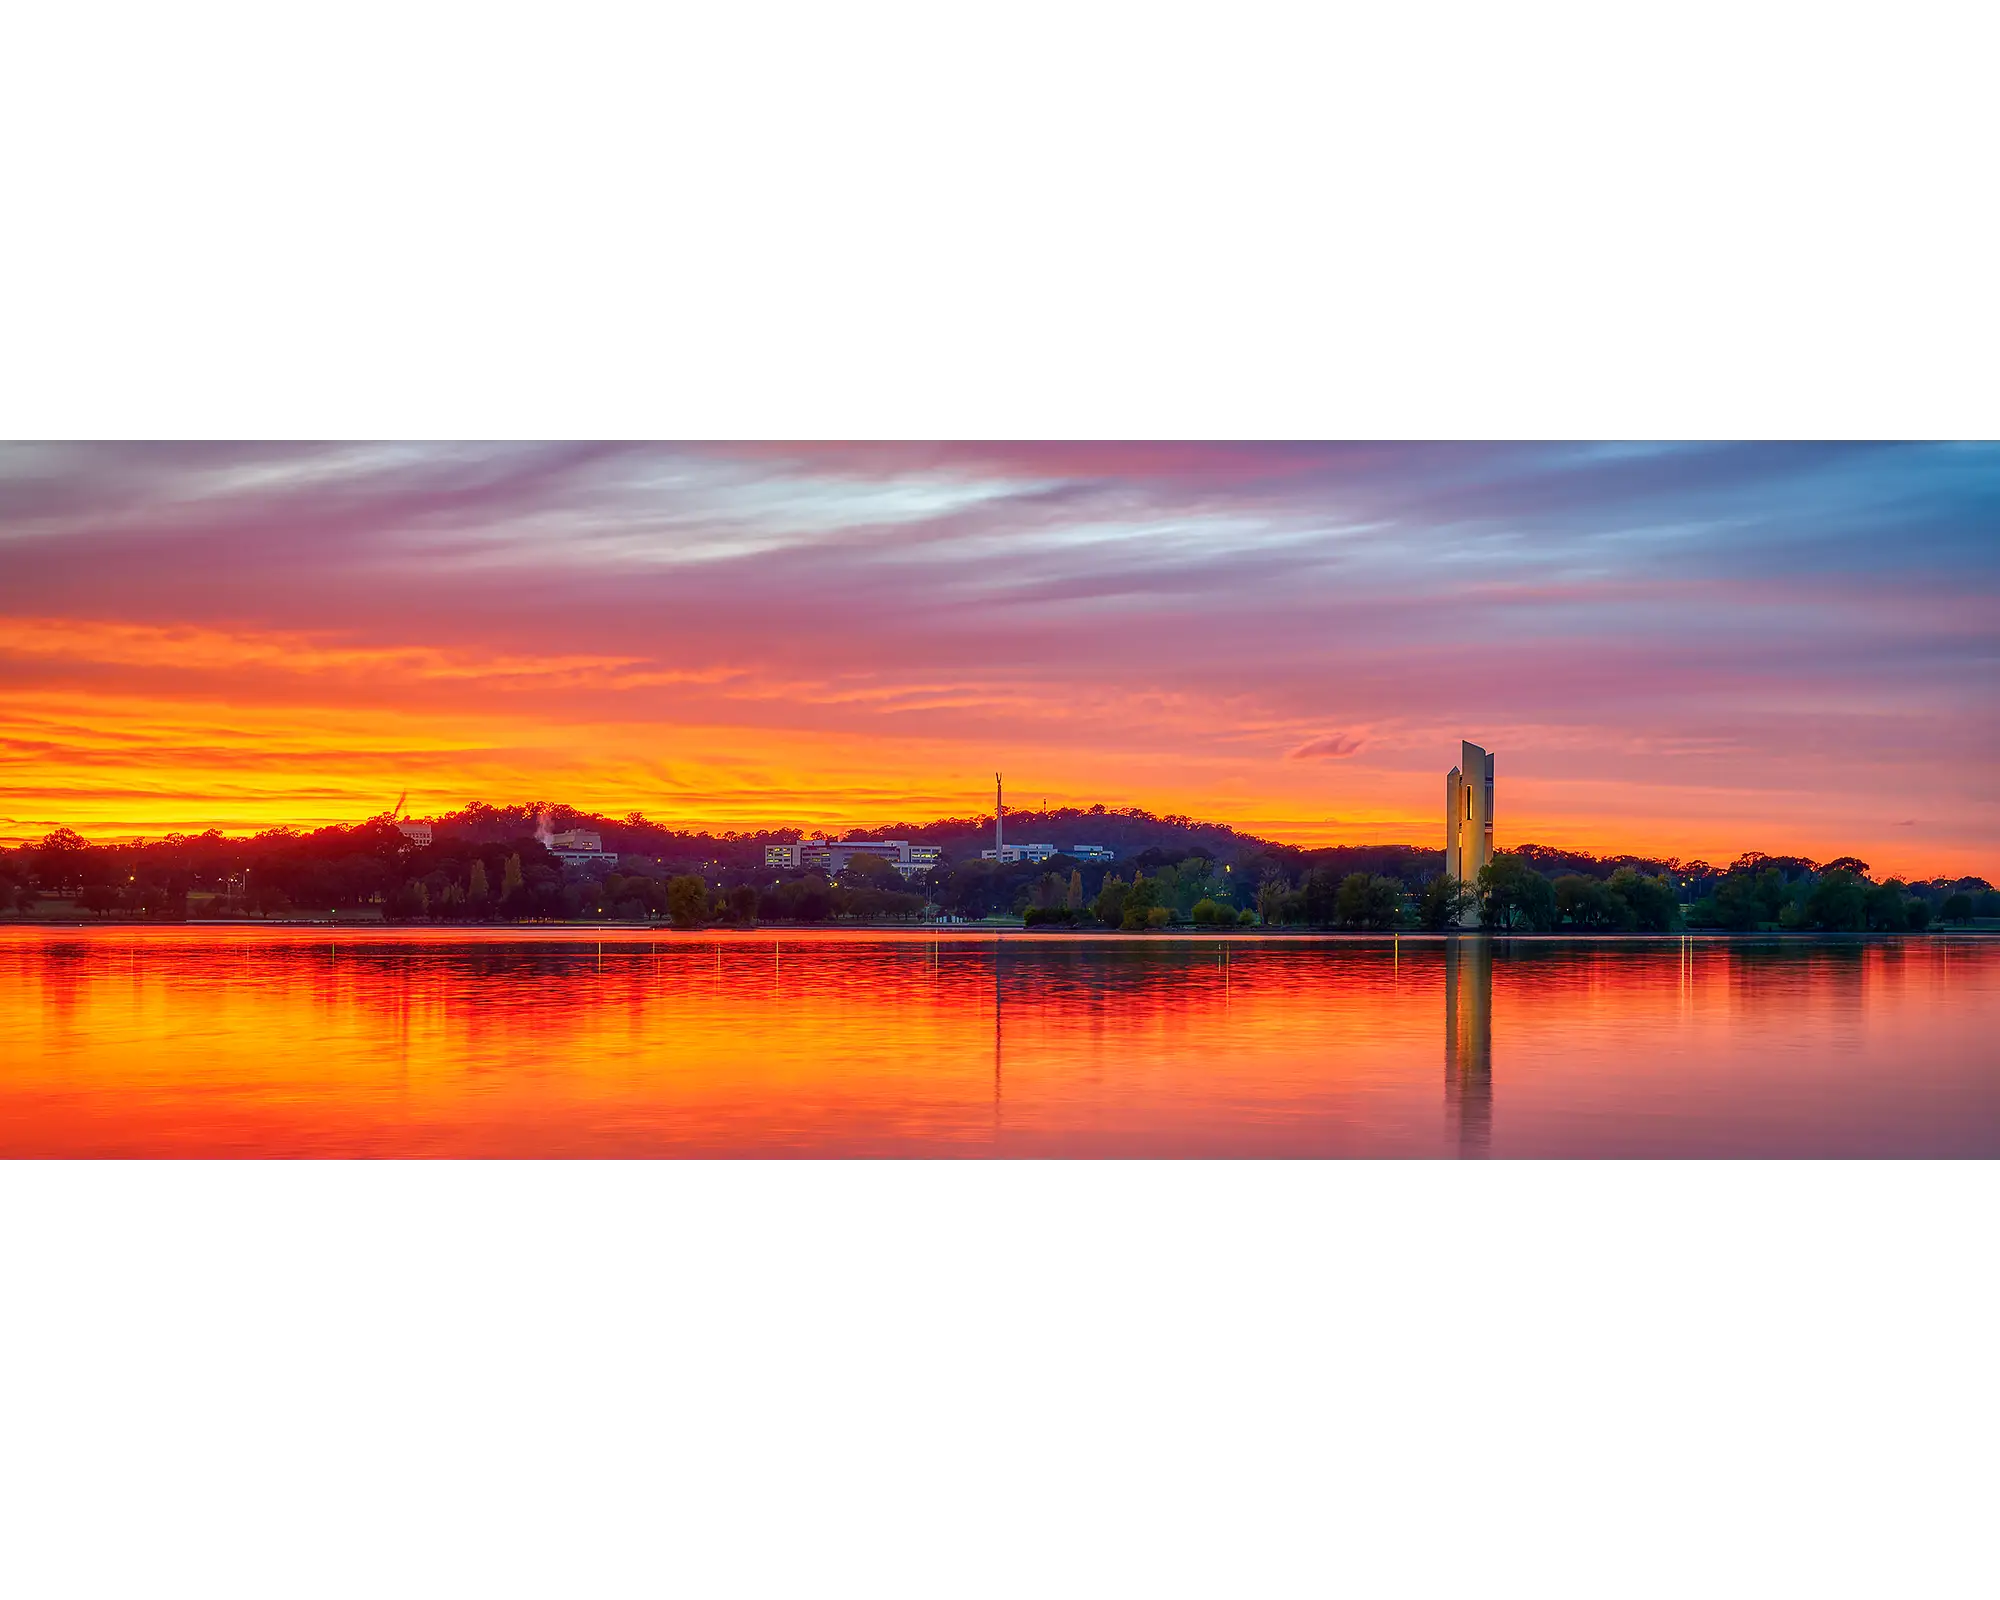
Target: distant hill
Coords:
[[1138, 836], [1127, 830]]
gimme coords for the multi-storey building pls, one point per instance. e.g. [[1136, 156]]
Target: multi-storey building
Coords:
[[579, 847], [1019, 852], [833, 855]]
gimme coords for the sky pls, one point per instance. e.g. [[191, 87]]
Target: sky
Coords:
[[1682, 649]]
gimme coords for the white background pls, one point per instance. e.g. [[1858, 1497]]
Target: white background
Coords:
[[1160, 221]]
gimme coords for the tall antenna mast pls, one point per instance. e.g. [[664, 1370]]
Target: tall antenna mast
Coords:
[[999, 810]]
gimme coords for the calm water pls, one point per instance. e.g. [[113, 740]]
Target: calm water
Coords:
[[288, 1042]]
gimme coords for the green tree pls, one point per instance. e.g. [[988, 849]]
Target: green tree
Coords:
[[1109, 906], [1271, 898], [1586, 902], [1141, 901], [1073, 900], [687, 901], [407, 902], [1738, 905], [1770, 889], [1885, 908], [510, 876], [1957, 907], [1839, 901], [1321, 894], [871, 872], [1513, 895], [1444, 902], [478, 893], [1367, 901], [1209, 913], [1918, 913], [1650, 902]]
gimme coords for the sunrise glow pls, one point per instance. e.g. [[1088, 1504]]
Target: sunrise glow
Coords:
[[1683, 650]]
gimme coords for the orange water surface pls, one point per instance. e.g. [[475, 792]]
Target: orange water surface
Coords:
[[226, 1041]]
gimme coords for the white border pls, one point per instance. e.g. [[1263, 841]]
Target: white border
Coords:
[[1445, 220], [1082, 1378]]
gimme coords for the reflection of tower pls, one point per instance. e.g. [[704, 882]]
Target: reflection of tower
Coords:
[[1468, 1041], [996, 1037]]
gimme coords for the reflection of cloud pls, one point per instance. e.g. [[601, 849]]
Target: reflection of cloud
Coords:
[[1330, 748]]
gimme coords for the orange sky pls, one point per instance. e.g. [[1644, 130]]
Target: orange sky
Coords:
[[1683, 651]]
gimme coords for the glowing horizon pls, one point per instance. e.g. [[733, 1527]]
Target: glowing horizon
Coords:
[[1674, 650]]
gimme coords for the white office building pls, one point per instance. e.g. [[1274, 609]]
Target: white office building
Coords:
[[1019, 852], [833, 855], [579, 847], [1002, 851]]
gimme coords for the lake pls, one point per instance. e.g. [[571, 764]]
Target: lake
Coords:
[[294, 1041]]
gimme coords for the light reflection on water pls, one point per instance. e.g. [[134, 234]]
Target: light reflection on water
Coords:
[[297, 1042]]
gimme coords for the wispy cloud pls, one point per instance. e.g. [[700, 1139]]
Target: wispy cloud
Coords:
[[1329, 747], [1662, 640]]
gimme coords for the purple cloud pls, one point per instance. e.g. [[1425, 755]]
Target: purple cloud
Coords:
[[1332, 747]]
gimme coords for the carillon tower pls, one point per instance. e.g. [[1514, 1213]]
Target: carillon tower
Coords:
[[1468, 814]]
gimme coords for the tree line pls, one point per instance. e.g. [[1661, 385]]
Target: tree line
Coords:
[[477, 870]]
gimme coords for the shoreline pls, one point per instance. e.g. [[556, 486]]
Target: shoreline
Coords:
[[995, 930]]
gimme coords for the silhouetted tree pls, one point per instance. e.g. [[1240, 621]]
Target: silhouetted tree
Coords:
[[1513, 895], [99, 898], [1369, 901], [1649, 901], [1321, 895], [1884, 908], [1589, 903], [1444, 902], [1839, 901], [61, 862]]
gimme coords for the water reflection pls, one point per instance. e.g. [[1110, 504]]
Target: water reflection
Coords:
[[1468, 1041], [284, 1042]]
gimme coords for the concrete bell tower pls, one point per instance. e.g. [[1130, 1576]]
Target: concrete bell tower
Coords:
[[1468, 813]]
